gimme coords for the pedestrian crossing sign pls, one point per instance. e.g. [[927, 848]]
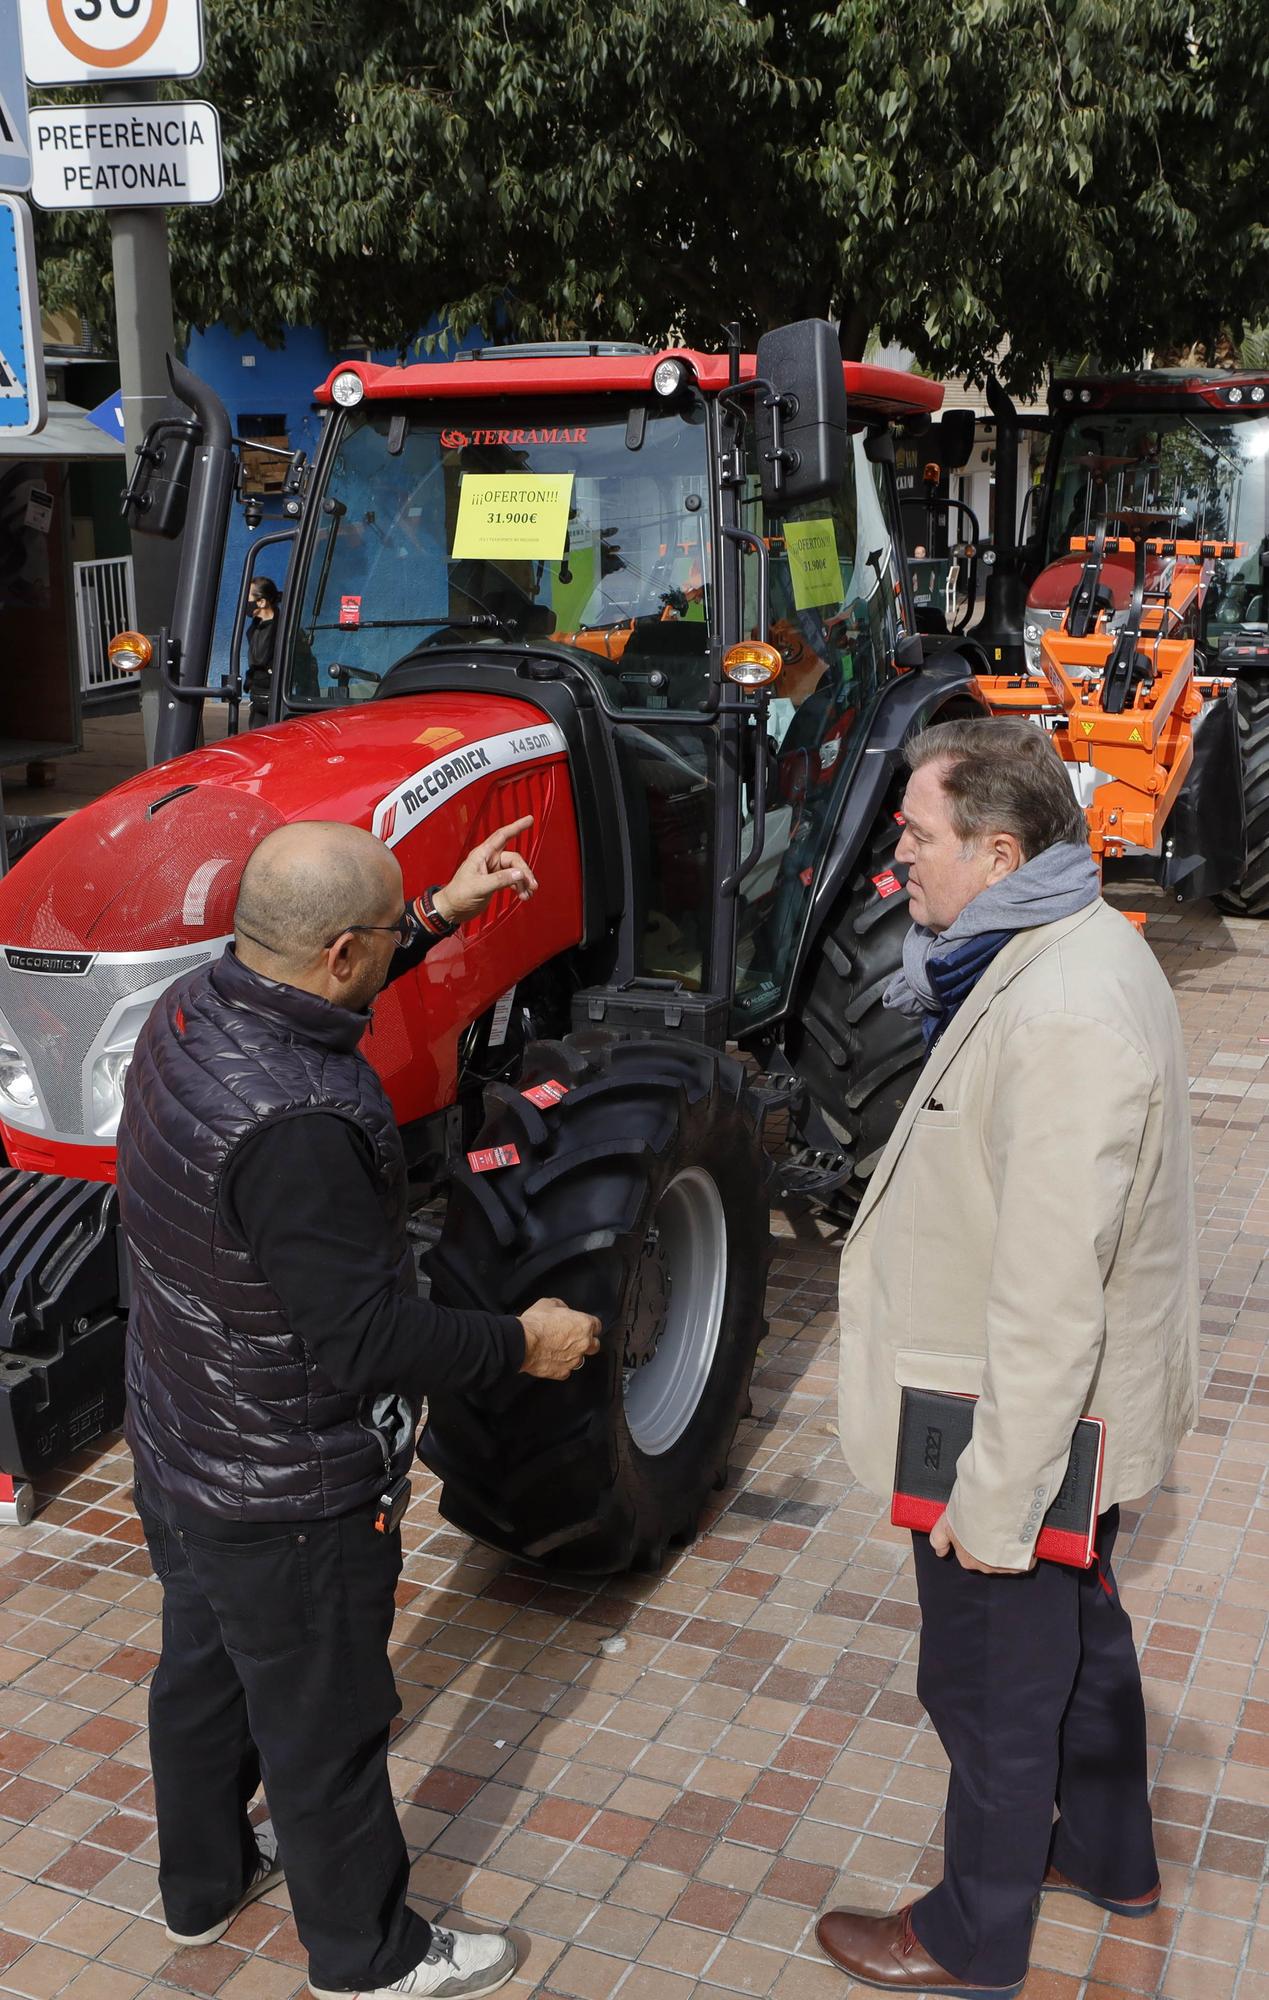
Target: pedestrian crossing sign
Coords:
[[23, 397]]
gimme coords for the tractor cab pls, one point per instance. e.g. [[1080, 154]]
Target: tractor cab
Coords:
[[1166, 455], [616, 523]]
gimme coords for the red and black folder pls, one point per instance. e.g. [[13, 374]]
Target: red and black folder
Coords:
[[934, 1429]]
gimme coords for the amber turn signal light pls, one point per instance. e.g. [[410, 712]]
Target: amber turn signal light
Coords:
[[128, 652], [753, 663]]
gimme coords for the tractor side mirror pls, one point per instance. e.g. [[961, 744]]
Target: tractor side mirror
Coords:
[[951, 439], [802, 444], [158, 492]]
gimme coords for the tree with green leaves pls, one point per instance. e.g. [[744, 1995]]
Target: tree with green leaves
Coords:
[[1057, 175]]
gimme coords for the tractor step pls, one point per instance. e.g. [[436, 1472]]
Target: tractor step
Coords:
[[811, 1175]]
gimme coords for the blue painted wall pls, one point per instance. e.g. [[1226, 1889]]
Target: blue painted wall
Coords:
[[253, 380]]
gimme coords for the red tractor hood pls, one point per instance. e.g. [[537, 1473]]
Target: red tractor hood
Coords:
[[138, 889], [156, 862]]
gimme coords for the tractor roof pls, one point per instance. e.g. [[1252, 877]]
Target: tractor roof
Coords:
[[1161, 389], [575, 369]]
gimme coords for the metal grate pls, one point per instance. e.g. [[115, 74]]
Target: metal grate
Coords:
[[55, 1018], [104, 605]]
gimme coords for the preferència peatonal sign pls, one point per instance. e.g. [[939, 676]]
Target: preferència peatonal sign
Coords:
[[125, 155]]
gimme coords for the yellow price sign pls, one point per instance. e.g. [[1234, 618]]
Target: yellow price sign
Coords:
[[814, 568], [512, 516]]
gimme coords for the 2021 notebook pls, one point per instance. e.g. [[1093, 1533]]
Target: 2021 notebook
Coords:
[[934, 1429]]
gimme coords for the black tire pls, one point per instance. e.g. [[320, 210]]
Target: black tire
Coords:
[[858, 1058], [1250, 896], [651, 1160]]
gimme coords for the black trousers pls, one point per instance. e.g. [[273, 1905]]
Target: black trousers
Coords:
[[275, 1666], [1033, 1685]]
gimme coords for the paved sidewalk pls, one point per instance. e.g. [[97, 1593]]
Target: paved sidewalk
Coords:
[[659, 1783]]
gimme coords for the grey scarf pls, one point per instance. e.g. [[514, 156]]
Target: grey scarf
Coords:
[[1053, 884]]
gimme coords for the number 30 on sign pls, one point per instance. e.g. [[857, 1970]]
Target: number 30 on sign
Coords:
[[110, 41]]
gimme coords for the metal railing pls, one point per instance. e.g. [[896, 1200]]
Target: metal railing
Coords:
[[104, 604]]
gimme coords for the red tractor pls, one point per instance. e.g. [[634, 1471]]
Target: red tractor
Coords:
[[535, 580]]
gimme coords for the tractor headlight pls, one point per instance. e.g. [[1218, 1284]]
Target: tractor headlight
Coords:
[[668, 377], [109, 1076], [111, 1061], [19, 1099], [347, 388]]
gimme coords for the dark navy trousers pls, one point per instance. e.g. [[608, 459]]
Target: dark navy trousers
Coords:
[[1033, 1685]]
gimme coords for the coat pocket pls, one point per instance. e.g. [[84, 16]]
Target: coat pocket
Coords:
[[934, 1368]]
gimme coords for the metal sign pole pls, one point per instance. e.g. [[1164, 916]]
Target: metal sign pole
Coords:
[[143, 314]]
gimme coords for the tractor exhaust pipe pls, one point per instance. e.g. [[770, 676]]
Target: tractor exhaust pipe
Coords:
[[999, 630], [202, 559]]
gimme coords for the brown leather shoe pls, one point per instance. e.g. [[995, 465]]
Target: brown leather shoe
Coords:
[[1121, 1906], [886, 1952]]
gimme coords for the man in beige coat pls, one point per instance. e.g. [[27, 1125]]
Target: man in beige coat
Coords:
[[1027, 1237]]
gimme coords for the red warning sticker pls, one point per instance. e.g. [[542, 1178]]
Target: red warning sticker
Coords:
[[544, 1095], [349, 613], [898, 819], [887, 883], [489, 1157], [807, 877]]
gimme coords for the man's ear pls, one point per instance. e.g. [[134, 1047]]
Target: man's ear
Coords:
[[339, 957], [1006, 855]]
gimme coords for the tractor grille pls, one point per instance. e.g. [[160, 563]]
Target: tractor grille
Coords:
[[55, 1017]]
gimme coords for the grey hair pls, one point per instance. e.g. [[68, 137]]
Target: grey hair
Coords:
[[1002, 775]]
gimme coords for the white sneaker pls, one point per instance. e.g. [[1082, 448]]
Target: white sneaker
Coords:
[[456, 1963], [266, 1875]]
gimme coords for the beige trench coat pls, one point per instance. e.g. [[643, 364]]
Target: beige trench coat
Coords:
[[1028, 1235]]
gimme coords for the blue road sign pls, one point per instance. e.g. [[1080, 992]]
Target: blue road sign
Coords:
[[23, 396], [15, 137], [108, 416]]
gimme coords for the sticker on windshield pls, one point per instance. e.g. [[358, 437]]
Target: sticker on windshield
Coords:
[[515, 517], [814, 569], [349, 613]]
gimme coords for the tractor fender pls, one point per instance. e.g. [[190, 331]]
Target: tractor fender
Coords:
[[946, 686]]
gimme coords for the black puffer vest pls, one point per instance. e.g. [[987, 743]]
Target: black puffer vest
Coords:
[[227, 1411]]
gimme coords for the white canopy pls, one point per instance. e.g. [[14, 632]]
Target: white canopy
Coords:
[[67, 434]]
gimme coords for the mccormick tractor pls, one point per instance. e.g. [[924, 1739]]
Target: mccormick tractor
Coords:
[[1133, 622], [658, 601]]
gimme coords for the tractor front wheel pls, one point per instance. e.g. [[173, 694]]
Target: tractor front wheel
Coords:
[[639, 1196]]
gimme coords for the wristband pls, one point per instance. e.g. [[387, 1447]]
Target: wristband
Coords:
[[430, 917]]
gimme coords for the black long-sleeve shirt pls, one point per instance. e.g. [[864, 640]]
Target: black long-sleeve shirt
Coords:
[[303, 1196]]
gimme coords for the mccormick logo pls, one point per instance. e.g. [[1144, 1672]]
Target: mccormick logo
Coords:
[[455, 440], [419, 795], [72, 963]]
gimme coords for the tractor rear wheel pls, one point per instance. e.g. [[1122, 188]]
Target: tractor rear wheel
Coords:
[[1250, 896], [641, 1196], [858, 1058]]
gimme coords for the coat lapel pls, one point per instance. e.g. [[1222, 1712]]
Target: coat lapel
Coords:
[[1020, 952]]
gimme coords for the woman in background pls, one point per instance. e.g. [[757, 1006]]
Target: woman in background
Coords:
[[262, 635]]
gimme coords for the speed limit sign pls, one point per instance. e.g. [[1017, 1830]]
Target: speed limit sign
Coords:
[[110, 41]]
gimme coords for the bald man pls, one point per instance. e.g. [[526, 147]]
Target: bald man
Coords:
[[277, 1355]]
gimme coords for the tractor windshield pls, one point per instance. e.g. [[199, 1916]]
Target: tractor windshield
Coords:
[[1195, 474], [583, 524]]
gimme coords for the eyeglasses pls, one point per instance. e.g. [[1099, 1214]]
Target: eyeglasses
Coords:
[[400, 930]]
